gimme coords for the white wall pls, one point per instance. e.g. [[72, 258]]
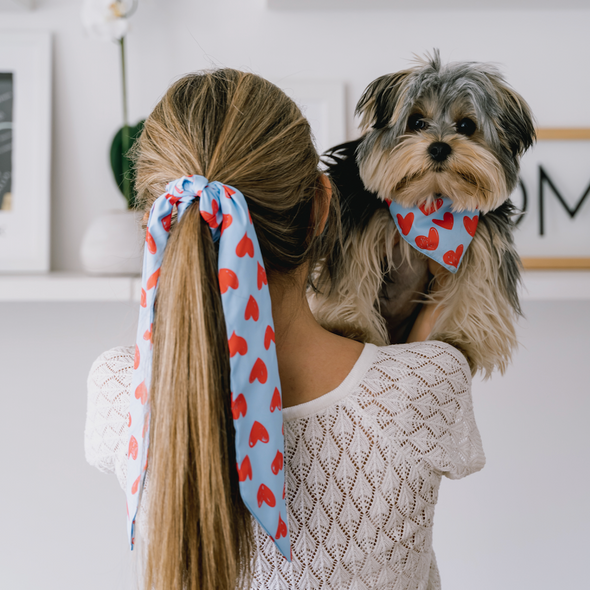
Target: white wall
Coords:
[[521, 523], [544, 54]]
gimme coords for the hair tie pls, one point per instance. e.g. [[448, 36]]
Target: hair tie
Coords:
[[436, 230], [256, 401]]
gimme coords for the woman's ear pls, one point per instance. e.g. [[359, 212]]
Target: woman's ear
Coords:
[[323, 199]]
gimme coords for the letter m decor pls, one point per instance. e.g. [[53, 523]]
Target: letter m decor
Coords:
[[572, 212]]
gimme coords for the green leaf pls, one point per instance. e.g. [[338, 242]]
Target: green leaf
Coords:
[[122, 166]]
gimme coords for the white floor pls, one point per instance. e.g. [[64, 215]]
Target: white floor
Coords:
[[519, 524]]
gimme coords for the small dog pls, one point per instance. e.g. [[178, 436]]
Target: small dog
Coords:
[[432, 133]]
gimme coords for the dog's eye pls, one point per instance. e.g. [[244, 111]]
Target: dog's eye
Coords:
[[466, 127], [417, 123]]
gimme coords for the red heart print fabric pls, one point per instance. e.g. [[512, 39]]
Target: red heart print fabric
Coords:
[[436, 229], [255, 385]]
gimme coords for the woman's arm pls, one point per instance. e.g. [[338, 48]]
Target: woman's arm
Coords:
[[430, 310]]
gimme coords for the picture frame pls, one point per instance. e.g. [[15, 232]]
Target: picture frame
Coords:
[[25, 143], [560, 262]]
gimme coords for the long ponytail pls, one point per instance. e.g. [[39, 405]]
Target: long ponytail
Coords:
[[200, 533], [238, 129]]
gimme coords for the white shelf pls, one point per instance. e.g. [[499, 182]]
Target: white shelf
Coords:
[[68, 287], [539, 285], [16, 5], [556, 285], [416, 5]]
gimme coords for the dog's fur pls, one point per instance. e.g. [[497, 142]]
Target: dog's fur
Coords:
[[372, 286]]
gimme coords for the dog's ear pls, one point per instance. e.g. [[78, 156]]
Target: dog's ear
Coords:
[[517, 128], [378, 102]]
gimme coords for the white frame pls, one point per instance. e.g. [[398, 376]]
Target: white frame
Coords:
[[24, 230], [330, 97]]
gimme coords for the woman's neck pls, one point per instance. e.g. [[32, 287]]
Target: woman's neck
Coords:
[[312, 361]]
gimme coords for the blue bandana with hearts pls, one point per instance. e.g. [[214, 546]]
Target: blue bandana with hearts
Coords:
[[437, 230], [256, 402]]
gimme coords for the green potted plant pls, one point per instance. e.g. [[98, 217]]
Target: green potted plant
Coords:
[[113, 241]]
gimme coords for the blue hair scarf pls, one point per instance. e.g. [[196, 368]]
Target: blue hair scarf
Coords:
[[256, 401]]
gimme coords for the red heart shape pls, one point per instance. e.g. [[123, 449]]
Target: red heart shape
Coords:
[[453, 258], [136, 360], [245, 471], [281, 529], [283, 491], [135, 486], [167, 221], [148, 335], [143, 301], [252, 309], [153, 280], [211, 218], [432, 208], [269, 336], [258, 433], [405, 223], [265, 495], [237, 345], [227, 279], [277, 463], [275, 402], [447, 221], [245, 246], [141, 393], [261, 277], [129, 416], [388, 201], [470, 224], [430, 242], [226, 222], [151, 243], [238, 406], [228, 191], [259, 372], [133, 448], [172, 199]]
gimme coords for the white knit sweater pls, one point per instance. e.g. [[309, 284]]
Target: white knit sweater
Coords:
[[363, 465]]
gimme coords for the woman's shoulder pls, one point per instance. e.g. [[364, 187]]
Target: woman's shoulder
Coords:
[[105, 433], [118, 360], [422, 392], [426, 360]]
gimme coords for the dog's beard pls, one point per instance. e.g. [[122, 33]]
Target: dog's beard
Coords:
[[471, 176]]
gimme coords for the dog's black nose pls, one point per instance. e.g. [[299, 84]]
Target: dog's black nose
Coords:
[[439, 151]]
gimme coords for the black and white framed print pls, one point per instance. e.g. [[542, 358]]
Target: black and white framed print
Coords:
[[25, 130]]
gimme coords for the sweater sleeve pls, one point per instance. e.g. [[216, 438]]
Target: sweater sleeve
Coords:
[[105, 434], [426, 406], [445, 424]]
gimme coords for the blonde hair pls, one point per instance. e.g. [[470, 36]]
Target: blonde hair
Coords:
[[238, 129]]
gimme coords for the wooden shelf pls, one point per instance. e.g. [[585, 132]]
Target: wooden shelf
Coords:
[[556, 263], [539, 285]]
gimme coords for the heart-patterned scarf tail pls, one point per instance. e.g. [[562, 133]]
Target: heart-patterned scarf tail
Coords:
[[256, 402]]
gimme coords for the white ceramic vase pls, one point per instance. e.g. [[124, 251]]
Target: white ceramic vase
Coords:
[[113, 244]]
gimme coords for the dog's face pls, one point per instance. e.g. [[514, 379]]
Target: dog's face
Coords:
[[456, 130]]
